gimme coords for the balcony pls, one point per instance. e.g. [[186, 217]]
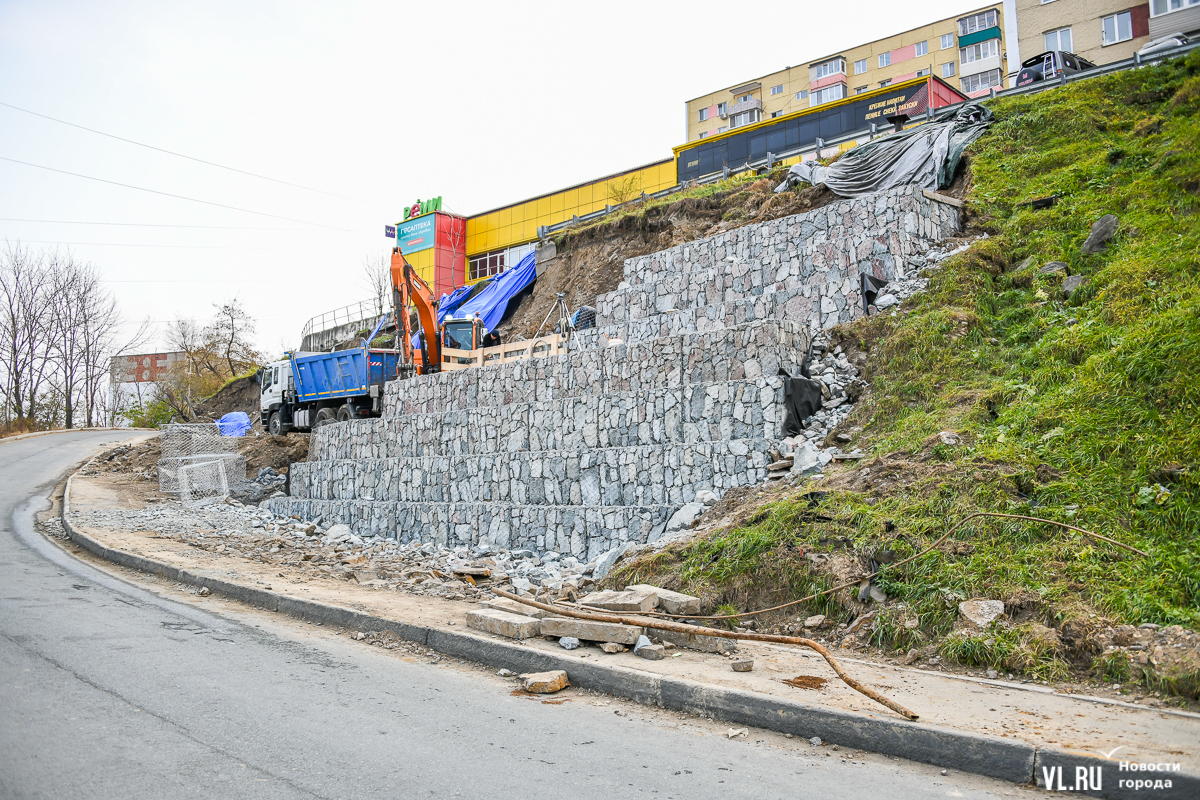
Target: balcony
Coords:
[[753, 104]]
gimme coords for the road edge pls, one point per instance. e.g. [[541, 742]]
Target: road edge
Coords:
[[989, 756]]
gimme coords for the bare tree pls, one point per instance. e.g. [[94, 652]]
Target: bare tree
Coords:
[[230, 334], [377, 275], [26, 330]]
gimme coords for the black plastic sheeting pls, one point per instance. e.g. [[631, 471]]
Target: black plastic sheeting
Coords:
[[926, 155]]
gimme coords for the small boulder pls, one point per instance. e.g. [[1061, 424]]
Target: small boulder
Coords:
[[685, 517], [604, 563], [742, 665], [568, 643], [545, 682], [1054, 268], [652, 652], [1102, 230], [815, 621], [980, 613], [707, 497], [887, 301], [807, 460], [1073, 284], [612, 647]]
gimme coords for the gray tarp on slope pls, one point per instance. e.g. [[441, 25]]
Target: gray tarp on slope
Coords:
[[926, 155]]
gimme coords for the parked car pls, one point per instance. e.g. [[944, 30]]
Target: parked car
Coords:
[[1050, 65], [1165, 43]]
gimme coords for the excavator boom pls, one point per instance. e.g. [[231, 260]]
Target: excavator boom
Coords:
[[409, 289]]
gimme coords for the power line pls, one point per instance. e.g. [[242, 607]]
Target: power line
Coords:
[[153, 225], [168, 194], [181, 155]]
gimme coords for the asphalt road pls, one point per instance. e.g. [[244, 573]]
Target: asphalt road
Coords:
[[108, 690]]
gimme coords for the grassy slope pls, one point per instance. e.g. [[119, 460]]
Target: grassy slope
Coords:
[[1084, 412]]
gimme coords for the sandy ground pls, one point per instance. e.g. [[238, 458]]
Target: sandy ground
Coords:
[[1025, 712]]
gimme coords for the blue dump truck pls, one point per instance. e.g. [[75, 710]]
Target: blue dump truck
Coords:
[[306, 390]]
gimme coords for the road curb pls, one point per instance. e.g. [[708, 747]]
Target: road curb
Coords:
[[33, 434], [974, 753]]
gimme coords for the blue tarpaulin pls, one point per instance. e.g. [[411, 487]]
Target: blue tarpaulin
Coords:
[[450, 302], [493, 301], [235, 423]]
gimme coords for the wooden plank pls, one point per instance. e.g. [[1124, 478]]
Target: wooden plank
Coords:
[[941, 198]]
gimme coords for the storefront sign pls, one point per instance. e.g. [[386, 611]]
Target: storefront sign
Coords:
[[418, 208], [415, 235]]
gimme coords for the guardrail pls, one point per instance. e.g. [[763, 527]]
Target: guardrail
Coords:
[[362, 311], [821, 144]]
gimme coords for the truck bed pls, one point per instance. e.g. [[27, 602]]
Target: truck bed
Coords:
[[344, 373]]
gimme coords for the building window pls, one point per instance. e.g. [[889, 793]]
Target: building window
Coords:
[[1059, 39], [888, 82], [836, 66], [860, 66], [777, 89], [745, 118], [861, 89], [1117, 28], [947, 41], [802, 94], [977, 22], [829, 94], [921, 49], [722, 129], [703, 114], [921, 73], [885, 60], [983, 80], [485, 265], [979, 51], [720, 109], [775, 114], [948, 69], [1160, 7], [746, 98]]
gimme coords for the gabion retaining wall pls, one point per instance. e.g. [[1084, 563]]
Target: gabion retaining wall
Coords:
[[679, 389]]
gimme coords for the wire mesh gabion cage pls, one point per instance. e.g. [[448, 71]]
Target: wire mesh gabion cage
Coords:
[[203, 480], [169, 469], [195, 438]]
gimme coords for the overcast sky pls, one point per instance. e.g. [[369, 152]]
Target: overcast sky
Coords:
[[374, 104]]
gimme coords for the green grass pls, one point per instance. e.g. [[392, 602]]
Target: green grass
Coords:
[[1084, 411]]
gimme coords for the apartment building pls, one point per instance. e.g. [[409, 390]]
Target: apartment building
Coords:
[[1102, 31], [966, 51]]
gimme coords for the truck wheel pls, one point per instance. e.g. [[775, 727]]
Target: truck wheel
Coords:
[[275, 425], [345, 414], [324, 417]]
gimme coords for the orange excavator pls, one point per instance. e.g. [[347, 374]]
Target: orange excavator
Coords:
[[409, 289]]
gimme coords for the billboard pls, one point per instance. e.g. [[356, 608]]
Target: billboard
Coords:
[[416, 234]]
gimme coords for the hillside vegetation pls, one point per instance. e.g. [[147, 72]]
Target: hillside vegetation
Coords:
[[1082, 410]]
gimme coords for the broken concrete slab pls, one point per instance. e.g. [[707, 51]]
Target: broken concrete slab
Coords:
[[696, 641], [591, 631], [513, 607], [980, 613], [612, 647], [503, 623], [636, 599], [651, 652], [545, 682], [669, 601]]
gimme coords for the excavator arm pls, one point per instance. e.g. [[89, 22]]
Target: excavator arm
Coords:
[[409, 289]]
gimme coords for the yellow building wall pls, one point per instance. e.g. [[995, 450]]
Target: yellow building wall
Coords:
[[518, 223], [422, 262]]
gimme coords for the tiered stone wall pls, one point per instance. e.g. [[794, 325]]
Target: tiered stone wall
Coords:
[[679, 389]]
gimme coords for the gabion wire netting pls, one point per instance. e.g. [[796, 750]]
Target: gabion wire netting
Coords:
[[195, 438], [169, 468], [203, 480]]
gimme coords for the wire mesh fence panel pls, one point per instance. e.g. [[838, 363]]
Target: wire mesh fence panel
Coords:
[[169, 468], [203, 480], [195, 438]]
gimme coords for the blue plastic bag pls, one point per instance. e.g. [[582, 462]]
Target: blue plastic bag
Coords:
[[235, 423]]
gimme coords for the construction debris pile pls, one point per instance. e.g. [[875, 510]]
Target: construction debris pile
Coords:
[[232, 529]]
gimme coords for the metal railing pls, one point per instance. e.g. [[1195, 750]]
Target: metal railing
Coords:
[[364, 311], [821, 144]]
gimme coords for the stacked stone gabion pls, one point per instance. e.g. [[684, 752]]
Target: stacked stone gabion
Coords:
[[680, 389]]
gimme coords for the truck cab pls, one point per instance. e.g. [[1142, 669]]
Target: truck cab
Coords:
[[275, 379]]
